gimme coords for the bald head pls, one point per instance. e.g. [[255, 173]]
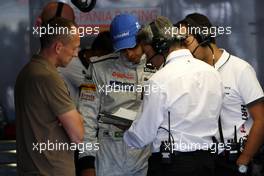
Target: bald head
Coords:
[[49, 12], [64, 32]]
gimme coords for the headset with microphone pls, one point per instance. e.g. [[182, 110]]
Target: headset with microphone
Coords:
[[202, 38], [160, 45]]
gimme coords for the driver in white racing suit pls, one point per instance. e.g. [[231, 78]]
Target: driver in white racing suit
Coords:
[[113, 81]]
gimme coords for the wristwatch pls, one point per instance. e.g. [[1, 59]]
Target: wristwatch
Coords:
[[242, 168]]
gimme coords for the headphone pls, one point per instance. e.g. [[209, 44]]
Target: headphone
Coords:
[[84, 5], [159, 43], [59, 9], [203, 39]]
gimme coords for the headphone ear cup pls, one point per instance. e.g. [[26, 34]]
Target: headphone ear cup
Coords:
[[155, 45], [160, 45]]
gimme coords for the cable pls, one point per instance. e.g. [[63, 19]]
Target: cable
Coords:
[[199, 46], [151, 66], [168, 132], [212, 50], [169, 139], [209, 45]]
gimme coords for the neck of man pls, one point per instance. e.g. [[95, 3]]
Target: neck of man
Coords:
[[49, 57], [158, 61], [212, 57]]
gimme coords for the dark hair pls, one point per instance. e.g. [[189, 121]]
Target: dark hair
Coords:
[[103, 42], [58, 29], [197, 20]]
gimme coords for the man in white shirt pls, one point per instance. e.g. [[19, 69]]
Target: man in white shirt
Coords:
[[180, 110], [243, 101]]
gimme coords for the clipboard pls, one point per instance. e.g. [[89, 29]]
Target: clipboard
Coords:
[[122, 116]]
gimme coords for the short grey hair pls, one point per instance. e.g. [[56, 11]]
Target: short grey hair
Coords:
[[145, 34]]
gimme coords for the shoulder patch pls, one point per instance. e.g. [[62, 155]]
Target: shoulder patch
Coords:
[[96, 59]]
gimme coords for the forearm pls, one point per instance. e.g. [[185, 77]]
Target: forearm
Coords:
[[254, 141], [78, 136], [72, 122]]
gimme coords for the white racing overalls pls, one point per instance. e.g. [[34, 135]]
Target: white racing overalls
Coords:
[[113, 82]]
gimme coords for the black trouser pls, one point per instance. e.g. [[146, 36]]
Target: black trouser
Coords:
[[197, 163]]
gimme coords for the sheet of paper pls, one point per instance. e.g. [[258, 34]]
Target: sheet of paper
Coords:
[[125, 113]]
